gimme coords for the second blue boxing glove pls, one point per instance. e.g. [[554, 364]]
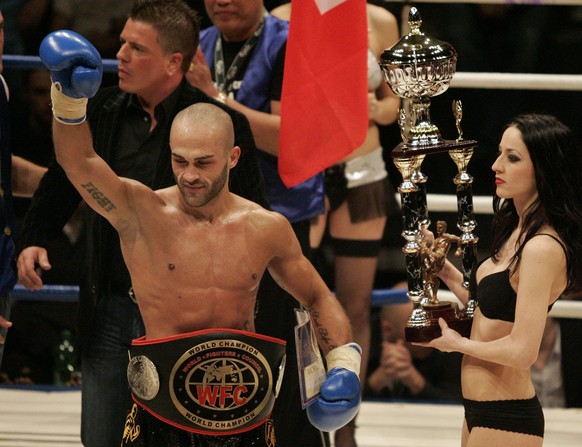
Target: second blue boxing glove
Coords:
[[340, 394]]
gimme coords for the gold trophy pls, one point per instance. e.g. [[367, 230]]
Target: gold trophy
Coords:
[[417, 68]]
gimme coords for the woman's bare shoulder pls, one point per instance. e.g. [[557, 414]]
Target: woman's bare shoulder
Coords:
[[545, 242]]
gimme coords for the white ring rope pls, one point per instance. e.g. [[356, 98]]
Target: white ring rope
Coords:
[[517, 81], [499, 2], [563, 308]]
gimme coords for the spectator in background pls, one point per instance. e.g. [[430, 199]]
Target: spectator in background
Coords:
[[546, 372], [12, 39], [31, 139], [37, 325], [358, 194], [241, 63], [35, 19], [31, 118], [557, 370], [570, 336], [411, 372], [18, 177]]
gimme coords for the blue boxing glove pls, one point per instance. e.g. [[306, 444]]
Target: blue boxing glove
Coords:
[[340, 395], [76, 71]]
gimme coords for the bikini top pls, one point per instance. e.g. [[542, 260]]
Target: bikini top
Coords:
[[496, 297], [375, 78]]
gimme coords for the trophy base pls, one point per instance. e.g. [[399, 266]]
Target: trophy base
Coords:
[[455, 318]]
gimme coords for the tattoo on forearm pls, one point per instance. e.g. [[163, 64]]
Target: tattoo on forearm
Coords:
[[321, 330], [98, 196]]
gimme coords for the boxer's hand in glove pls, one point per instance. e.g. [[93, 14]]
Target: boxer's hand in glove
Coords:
[[340, 396], [76, 71]]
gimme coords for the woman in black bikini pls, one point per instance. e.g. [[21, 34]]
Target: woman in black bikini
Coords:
[[537, 242]]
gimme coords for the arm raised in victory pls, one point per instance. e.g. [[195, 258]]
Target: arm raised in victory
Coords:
[[76, 72]]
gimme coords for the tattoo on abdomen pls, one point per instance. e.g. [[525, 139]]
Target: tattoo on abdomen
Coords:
[[98, 196]]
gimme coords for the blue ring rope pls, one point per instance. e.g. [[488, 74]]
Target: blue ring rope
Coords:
[[66, 293], [32, 62]]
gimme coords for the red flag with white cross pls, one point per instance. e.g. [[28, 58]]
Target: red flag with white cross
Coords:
[[324, 102]]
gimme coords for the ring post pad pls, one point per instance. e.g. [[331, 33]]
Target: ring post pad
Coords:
[[213, 382]]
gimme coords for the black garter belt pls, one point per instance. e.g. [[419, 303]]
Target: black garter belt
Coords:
[[213, 382], [517, 415]]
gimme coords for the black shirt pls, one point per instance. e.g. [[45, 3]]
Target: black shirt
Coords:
[[136, 156]]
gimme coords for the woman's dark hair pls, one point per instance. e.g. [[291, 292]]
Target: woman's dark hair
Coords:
[[557, 164], [176, 23]]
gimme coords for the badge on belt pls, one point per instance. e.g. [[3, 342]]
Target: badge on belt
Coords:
[[213, 385]]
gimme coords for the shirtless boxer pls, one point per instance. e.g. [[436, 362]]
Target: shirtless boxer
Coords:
[[196, 254]]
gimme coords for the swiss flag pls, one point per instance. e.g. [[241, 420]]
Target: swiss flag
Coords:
[[324, 102]]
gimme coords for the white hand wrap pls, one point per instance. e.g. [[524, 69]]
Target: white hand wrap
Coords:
[[347, 356], [67, 110]]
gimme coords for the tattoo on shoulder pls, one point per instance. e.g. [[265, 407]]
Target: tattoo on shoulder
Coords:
[[321, 330], [99, 197]]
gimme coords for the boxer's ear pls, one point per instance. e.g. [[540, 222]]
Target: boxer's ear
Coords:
[[233, 157]]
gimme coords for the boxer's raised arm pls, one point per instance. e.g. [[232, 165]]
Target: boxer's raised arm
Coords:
[[76, 72]]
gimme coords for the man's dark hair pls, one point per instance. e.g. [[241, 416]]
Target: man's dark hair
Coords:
[[175, 21]]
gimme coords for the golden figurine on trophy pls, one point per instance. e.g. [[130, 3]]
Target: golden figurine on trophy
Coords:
[[417, 68]]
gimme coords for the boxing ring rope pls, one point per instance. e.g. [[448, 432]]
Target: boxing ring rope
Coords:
[[493, 80], [517, 81], [500, 2]]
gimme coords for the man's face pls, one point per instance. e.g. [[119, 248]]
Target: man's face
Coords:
[[200, 163], [237, 20], [1, 40], [142, 64], [200, 188]]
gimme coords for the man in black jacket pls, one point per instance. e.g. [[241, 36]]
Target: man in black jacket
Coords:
[[130, 126]]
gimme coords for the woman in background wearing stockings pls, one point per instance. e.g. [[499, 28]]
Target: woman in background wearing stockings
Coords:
[[358, 191]]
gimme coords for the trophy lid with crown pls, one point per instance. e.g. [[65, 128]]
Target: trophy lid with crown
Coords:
[[417, 68]]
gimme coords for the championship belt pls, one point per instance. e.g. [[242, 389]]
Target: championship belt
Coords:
[[212, 382]]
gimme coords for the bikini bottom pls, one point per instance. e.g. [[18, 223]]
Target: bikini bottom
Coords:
[[516, 415]]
